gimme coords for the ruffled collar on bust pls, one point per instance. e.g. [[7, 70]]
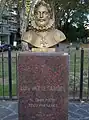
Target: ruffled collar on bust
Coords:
[[49, 26]]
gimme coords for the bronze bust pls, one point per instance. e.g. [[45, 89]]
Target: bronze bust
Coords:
[[43, 33]]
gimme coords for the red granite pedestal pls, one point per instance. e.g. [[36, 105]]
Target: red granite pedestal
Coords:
[[43, 86]]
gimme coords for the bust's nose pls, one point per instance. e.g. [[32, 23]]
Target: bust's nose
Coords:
[[41, 14]]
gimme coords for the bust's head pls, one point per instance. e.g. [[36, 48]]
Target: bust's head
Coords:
[[42, 14], [43, 17]]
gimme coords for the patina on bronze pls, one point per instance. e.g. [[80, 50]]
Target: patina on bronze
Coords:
[[43, 33]]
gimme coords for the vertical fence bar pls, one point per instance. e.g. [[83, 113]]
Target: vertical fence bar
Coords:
[[81, 74], [88, 78], [74, 75], [3, 73], [10, 72], [16, 75]]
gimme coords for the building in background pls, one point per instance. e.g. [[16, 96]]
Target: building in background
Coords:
[[8, 23]]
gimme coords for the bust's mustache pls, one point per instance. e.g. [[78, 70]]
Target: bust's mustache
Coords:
[[41, 20]]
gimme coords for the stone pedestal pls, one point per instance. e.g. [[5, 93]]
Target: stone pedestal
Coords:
[[43, 86]]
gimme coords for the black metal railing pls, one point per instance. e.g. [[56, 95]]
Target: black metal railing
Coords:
[[78, 76], [8, 73]]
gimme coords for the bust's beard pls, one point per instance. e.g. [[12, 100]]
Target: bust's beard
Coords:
[[50, 25]]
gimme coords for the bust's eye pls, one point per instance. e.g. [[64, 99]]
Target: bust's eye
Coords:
[[36, 13], [44, 12]]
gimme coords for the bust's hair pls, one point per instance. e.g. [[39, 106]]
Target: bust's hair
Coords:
[[34, 11], [43, 3]]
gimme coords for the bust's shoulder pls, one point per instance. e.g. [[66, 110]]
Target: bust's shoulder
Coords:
[[25, 35], [58, 35]]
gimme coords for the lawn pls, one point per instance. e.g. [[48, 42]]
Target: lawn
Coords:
[[5, 91], [75, 68], [4, 75]]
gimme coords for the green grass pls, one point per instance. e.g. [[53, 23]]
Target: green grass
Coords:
[[78, 60], [5, 74], [76, 77], [6, 90]]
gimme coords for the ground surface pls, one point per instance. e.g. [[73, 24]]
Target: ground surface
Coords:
[[76, 110]]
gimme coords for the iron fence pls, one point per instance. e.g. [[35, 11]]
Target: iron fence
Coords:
[[78, 74], [8, 74]]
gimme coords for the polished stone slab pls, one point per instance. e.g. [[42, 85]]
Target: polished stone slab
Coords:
[[43, 86]]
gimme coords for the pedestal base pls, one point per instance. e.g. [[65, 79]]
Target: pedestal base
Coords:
[[43, 86]]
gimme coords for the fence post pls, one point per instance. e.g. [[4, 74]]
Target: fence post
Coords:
[[88, 77], [10, 72], [16, 75], [3, 72], [74, 75], [81, 74]]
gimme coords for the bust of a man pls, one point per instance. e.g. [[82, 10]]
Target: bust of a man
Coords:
[[43, 33]]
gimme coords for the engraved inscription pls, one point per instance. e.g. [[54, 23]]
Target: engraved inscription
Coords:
[[43, 88]]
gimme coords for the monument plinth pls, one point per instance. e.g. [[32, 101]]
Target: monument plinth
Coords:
[[43, 86]]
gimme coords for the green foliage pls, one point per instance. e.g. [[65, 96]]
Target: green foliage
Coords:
[[24, 4], [71, 15]]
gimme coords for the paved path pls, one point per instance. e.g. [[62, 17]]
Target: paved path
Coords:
[[77, 111]]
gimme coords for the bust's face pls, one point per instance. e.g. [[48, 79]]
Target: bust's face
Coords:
[[42, 16]]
